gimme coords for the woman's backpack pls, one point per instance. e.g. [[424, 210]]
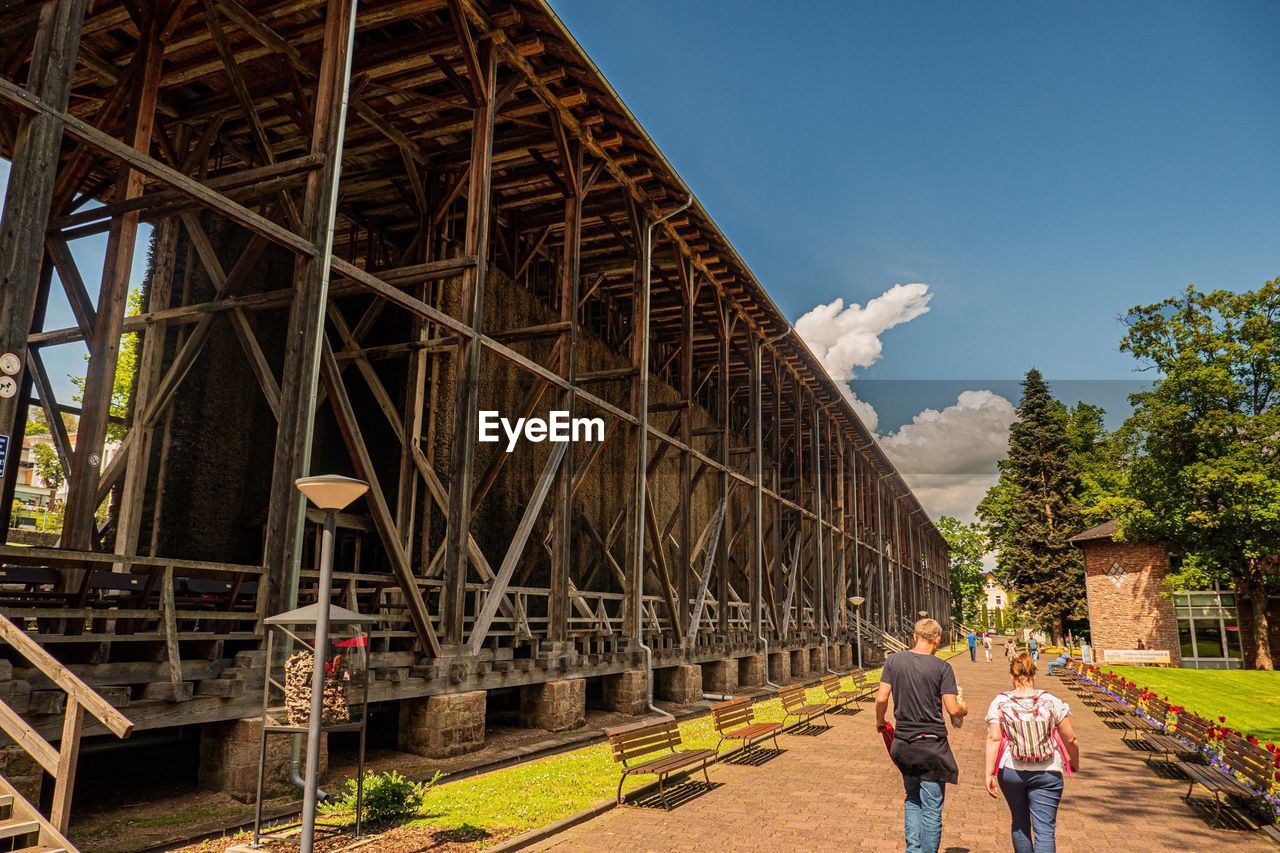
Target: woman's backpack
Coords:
[[1028, 726]]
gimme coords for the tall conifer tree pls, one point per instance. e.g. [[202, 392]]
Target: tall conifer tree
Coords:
[[1034, 511]]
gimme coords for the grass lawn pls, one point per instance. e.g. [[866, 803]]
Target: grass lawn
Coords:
[[1249, 699]]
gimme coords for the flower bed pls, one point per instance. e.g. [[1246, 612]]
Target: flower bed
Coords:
[[1212, 753]]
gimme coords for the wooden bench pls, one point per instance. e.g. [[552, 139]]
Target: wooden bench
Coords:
[[1157, 737], [654, 746], [726, 716], [835, 692], [864, 686], [795, 704], [1254, 763]]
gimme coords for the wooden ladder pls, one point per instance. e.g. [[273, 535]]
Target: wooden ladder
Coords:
[[22, 827]]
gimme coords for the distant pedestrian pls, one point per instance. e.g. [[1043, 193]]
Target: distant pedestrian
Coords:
[[1033, 646], [986, 646], [1030, 744], [922, 687], [972, 639]]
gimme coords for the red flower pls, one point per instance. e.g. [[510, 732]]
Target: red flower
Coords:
[[1278, 777], [1222, 719], [1253, 740]]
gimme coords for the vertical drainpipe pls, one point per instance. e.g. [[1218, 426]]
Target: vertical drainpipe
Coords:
[[642, 452]]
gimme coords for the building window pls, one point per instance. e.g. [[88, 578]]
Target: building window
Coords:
[[998, 604], [1208, 629]]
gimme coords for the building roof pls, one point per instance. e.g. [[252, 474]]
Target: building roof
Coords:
[[1105, 530]]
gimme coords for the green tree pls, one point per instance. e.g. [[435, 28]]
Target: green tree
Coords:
[[1208, 479], [47, 466], [1034, 509], [1100, 461], [122, 382], [968, 543]]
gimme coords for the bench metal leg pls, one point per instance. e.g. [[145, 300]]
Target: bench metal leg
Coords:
[[620, 781], [775, 742], [704, 774], [662, 790]]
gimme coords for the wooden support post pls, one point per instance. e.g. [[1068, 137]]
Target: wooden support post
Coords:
[[562, 520], [79, 527], [722, 553], [287, 508], [68, 756], [689, 289], [26, 214], [476, 244], [757, 498]]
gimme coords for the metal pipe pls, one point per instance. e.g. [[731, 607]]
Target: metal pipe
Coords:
[[642, 451], [758, 471], [318, 660]]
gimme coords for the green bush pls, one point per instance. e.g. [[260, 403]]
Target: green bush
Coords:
[[387, 796]]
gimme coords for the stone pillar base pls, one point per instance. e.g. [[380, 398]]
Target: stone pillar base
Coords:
[[681, 684], [780, 667], [229, 759], [440, 726], [751, 671], [557, 706], [720, 676], [626, 691], [818, 660], [24, 773], [799, 663]]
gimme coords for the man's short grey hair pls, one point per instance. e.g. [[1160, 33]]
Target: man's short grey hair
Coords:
[[928, 629]]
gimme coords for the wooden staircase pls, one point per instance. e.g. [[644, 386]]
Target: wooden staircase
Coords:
[[22, 826]]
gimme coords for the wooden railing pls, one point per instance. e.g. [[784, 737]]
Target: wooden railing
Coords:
[[59, 763]]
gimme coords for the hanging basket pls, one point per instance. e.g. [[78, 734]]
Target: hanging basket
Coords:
[[297, 691]]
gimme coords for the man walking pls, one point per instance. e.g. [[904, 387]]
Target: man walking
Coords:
[[1033, 646], [973, 646], [922, 686]]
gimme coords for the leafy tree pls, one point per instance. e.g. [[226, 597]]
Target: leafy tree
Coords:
[[122, 382], [47, 466], [968, 543], [1208, 481], [1100, 459], [1034, 510]]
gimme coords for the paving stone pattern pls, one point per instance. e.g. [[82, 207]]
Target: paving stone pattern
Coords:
[[837, 791]]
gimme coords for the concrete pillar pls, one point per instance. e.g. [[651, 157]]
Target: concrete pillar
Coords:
[[229, 759], [440, 726], [720, 676], [22, 772], [799, 663], [780, 667], [557, 706], [681, 683], [751, 671], [626, 691]]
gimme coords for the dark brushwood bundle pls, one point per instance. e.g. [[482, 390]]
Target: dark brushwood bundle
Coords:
[[297, 693]]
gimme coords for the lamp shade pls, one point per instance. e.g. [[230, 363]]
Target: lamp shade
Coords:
[[856, 600], [922, 613], [331, 491]]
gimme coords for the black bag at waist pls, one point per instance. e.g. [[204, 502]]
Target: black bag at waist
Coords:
[[925, 756]]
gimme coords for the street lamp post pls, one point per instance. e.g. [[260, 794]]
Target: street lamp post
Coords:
[[331, 493], [857, 601]]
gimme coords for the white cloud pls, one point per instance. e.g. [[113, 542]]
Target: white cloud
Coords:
[[844, 339], [949, 457], [847, 338]]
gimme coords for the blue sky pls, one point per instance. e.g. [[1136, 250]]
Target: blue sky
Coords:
[[1043, 167], [1034, 169]]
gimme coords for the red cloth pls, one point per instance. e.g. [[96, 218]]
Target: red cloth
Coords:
[[887, 733]]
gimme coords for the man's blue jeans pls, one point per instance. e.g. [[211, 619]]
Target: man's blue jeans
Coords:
[[1033, 797], [922, 814]]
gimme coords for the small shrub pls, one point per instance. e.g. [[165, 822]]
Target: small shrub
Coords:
[[387, 796]]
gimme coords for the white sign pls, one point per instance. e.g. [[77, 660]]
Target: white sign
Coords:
[[8, 387], [10, 364], [1135, 656], [559, 427]]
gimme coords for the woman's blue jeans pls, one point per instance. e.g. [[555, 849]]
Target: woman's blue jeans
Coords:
[[1033, 797], [922, 814]]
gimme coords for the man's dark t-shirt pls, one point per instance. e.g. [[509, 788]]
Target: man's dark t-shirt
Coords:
[[918, 682]]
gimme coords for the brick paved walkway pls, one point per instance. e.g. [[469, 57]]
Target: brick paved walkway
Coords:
[[837, 790]]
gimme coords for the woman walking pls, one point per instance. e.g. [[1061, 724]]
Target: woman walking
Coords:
[[986, 646], [1030, 744]]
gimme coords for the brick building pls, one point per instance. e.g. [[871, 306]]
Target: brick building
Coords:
[[1202, 629]]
